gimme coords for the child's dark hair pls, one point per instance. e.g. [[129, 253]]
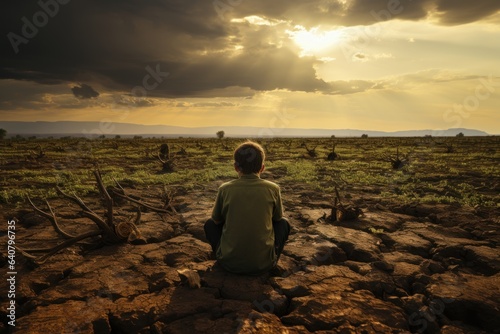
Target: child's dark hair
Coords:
[[249, 157]]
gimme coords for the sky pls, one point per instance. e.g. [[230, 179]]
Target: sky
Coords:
[[384, 65]]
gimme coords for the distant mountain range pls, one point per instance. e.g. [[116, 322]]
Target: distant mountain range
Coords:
[[94, 129]]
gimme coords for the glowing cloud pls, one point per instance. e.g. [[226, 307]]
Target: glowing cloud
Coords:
[[314, 40]]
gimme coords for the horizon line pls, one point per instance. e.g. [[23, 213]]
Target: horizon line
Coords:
[[238, 126]]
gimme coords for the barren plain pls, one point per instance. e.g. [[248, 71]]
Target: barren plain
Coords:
[[423, 256]]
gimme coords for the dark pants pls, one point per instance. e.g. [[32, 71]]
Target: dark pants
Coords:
[[281, 227]]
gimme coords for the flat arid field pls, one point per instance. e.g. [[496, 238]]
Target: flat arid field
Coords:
[[113, 240]]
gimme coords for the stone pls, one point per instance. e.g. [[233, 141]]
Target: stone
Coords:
[[190, 277]]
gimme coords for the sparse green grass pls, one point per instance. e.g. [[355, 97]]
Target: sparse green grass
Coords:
[[432, 176], [376, 231]]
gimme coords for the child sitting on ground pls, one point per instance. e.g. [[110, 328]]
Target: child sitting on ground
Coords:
[[247, 230]]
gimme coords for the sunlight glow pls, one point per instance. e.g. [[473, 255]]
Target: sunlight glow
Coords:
[[257, 20], [313, 41]]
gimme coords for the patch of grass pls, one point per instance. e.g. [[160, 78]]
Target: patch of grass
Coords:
[[301, 171], [11, 196], [373, 230], [432, 175]]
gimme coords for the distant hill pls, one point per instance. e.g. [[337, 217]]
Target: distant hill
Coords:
[[84, 129]]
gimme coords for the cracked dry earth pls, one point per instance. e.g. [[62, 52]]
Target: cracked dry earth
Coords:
[[397, 269]]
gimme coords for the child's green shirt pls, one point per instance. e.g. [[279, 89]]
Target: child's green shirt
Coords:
[[247, 206]]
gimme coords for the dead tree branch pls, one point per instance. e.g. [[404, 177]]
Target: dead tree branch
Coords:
[[52, 218], [398, 161], [311, 152], [341, 212], [168, 166], [108, 230]]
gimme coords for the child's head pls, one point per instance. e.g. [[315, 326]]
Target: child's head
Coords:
[[249, 157]]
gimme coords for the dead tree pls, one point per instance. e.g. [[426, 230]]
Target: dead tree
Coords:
[[333, 155], [36, 155], [310, 152], [167, 197], [182, 151], [168, 165], [398, 161], [164, 151], [341, 212], [449, 148], [108, 230]]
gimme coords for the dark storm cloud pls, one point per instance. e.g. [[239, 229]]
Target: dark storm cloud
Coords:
[[113, 43], [336, 12], [121, 45], [453, 12], [84, 91], [365, 12]]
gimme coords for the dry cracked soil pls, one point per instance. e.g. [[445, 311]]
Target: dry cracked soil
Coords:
[[396, 269]]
